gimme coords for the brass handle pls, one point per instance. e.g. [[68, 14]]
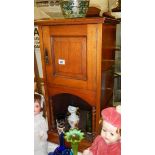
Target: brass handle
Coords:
[[46, 57]]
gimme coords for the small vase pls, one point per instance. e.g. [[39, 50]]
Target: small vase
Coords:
[[62, 149], [74, 136]]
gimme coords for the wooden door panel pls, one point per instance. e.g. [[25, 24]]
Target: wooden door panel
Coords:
[[69, 57]]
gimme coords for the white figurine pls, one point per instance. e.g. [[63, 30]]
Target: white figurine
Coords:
[[109, 141], [40, 127], [73, 118]]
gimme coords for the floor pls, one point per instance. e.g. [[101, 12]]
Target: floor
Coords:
[[52, 147]]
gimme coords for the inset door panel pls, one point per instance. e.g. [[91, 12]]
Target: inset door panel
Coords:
[[69, 57]]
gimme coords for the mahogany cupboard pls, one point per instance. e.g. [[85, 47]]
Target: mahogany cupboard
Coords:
[[77, 58]]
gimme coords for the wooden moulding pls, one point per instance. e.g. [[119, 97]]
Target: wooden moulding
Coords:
[[70, 21]]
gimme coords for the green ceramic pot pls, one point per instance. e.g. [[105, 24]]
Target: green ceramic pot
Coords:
[[74, 8]]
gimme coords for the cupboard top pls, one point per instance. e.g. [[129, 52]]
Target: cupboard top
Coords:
[[72, 21]]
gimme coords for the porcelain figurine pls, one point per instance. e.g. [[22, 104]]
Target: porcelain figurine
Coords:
[[40, 126], [109, 141], [73, 118]]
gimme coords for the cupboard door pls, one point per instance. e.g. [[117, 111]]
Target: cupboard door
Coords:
[[70, 55]]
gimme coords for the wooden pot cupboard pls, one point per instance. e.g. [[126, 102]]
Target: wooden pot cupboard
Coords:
[[76, 57]]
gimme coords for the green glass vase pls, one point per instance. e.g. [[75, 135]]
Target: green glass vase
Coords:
[[75, 148]]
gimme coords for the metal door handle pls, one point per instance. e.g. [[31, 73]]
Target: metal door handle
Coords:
[[46, 57]]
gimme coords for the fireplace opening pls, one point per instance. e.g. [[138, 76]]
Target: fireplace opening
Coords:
[[59, 106]]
